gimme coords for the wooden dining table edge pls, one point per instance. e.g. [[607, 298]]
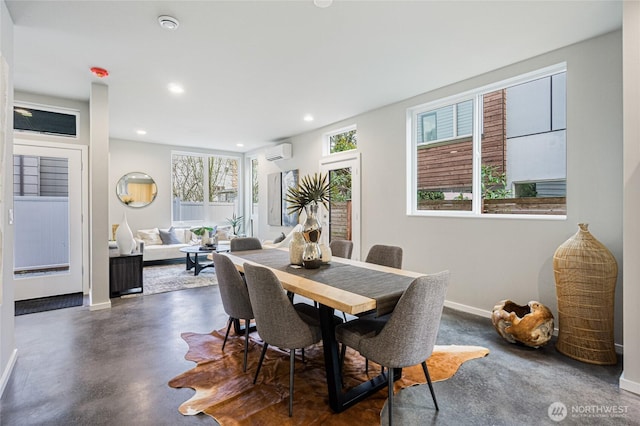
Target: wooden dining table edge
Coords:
[[341, 300]]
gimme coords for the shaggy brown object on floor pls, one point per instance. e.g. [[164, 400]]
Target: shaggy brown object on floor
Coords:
[[224, 392]]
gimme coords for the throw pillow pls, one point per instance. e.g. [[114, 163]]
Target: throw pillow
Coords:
[[169, 236], [151, 237], [280, 238]]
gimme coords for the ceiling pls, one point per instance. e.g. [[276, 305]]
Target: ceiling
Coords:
[[251, 70]]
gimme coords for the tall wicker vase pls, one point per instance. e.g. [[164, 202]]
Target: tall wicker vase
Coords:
[[586, 274]]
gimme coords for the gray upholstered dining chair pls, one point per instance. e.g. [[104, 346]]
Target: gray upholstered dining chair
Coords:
[[279, 322], [385, 255], [408, 337], [235, 298], [341, 248], [245, 243]]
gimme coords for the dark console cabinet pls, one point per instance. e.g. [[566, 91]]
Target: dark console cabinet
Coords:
[[125, 273]]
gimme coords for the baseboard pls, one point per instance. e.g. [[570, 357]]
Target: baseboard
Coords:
[[99, 306], [6, 374], [468, 309], [628, 385]]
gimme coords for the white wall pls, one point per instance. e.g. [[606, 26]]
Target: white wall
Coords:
[[155, 160], [8, 349], [491, 259], [630, 379]]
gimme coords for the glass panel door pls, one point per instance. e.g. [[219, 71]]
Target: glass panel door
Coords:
[[47, 218], [342, 220], [340, 212]]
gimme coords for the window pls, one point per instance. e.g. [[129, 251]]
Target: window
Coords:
[[342, 140], [40, 176], [500, 149], [255, 188], [189, 181], [449, 122], [187, 173], [45, 121]]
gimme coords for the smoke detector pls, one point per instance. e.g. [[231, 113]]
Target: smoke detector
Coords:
[[168, 22]]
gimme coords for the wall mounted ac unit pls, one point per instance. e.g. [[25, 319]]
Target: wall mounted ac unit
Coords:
[[279, 152]]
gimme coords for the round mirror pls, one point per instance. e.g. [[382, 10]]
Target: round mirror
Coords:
[[136, 189]]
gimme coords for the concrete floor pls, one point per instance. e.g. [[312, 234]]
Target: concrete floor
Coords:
[[111, 367]]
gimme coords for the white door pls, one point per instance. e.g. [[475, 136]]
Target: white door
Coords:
[[342, 220], [48, 221]]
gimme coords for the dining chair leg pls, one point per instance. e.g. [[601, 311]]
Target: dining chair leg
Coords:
[[433, 395], [264, 351], [390, 400], [292, 360], [246, 344], [227, 334]]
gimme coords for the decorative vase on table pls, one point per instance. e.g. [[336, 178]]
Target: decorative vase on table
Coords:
[[307, 195], [296, 247], [586, 273], [124, 237], [326, 253], [311, 255]]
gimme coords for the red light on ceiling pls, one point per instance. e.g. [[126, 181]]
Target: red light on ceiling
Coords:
[[99, 72]]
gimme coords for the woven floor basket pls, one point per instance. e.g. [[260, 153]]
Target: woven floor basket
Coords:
[[586, 274]]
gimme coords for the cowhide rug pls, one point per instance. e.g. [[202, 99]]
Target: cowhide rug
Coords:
[[227, 394]]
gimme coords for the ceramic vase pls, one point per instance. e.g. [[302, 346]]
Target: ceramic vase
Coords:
[[312, 255], [326, 253], [124, 237], [296, 247]]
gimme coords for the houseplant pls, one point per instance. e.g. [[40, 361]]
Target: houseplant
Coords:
[[312, 191], [203, 233], [235, 222]]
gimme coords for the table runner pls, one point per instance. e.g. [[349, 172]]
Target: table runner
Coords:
[[386, 288]]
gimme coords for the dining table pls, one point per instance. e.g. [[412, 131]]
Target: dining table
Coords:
[[350, 286]]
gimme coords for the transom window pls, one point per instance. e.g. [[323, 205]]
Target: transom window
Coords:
[[45, 120], [342, 140], [496, 150]]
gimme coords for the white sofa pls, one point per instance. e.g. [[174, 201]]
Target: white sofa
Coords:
[[164, 244]]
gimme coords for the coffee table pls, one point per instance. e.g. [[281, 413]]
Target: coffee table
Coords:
[[192, 253]]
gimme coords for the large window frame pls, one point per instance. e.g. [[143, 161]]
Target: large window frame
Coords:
[[214, 212], [416, 113]]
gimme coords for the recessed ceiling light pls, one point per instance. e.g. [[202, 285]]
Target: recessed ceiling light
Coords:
[[239, 144], [175, 88], [168, 22], [322, 3], [308, 117], [141, 132]]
